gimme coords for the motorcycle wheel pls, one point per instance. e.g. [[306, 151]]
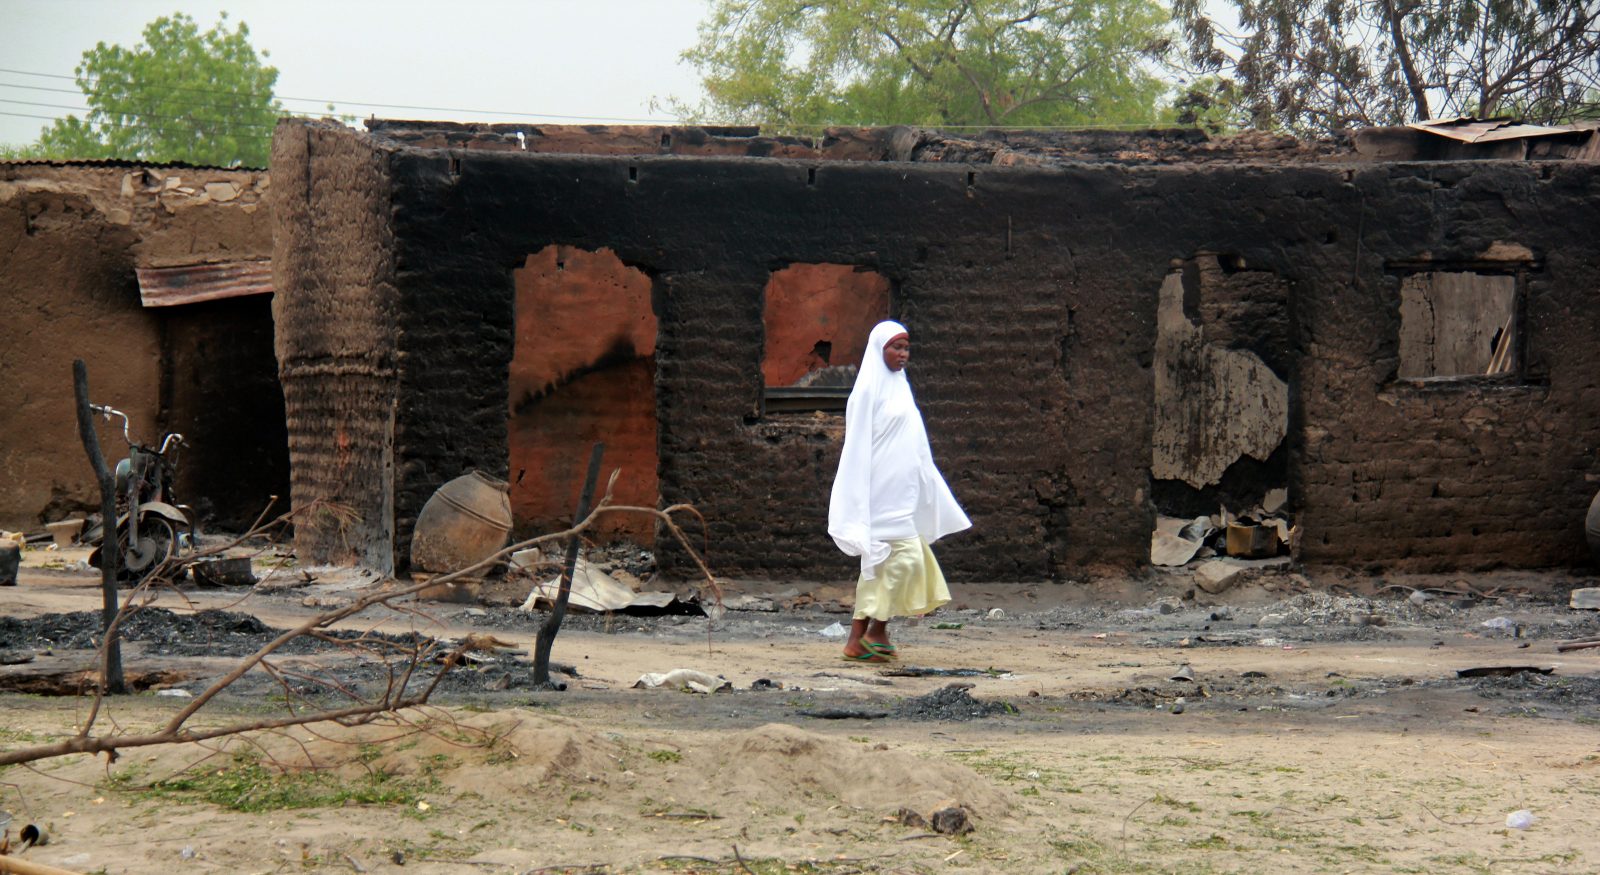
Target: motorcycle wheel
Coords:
[[158, 542]]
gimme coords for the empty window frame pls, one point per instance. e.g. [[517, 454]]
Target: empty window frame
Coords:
[[1459, 325], [817, 318]]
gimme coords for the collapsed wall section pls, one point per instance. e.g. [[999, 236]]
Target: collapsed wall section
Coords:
[[336, 312]]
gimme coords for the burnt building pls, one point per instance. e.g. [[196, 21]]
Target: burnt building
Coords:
[[1399, 329], [158, 277]]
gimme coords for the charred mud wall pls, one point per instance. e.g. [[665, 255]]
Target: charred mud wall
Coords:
[[1031, 293], [71, 238], [1044, 434], [336, 310]]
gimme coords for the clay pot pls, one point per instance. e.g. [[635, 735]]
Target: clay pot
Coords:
[[1591, 527], [464, 522]]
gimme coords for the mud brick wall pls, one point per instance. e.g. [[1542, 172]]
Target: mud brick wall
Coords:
[[71, 238], [1014, 350], [1030, 293], [335, 311], [1452, 474]]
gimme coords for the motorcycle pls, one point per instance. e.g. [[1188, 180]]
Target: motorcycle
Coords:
[[151, 527]]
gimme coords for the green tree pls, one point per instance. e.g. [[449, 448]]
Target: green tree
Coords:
[[789, 64], [181, 95], [1314, 66]]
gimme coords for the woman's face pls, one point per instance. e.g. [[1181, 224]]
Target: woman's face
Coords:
[[897, 352]]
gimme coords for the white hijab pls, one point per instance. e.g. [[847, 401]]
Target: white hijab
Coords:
[[887, 487]]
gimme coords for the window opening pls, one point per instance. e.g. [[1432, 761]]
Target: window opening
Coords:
[[817, 318], [1459, 325]]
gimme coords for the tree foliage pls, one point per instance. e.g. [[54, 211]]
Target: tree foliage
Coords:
[[791, 64], [1320, 65], [181, 95]]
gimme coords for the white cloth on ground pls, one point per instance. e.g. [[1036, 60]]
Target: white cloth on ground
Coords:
[[887, 487]]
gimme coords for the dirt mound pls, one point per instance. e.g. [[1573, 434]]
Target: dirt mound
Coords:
[[778, 765], [497, 755]]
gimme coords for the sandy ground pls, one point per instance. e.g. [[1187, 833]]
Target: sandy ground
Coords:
[[1320, 734]]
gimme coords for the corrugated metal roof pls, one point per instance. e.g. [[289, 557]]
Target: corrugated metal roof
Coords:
[[192, 283], [1471, 130]]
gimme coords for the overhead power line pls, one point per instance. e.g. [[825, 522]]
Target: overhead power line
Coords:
[[249, 95], [1112, 126]]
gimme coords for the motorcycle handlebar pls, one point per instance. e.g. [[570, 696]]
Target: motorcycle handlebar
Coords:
[[108, 411]]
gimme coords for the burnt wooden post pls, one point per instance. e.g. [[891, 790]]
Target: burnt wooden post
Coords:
[[558, 611], [110, 550]]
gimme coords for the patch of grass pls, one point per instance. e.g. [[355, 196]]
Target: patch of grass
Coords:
[[19, 736], [248, 786], [665, 756], [1163, 799]]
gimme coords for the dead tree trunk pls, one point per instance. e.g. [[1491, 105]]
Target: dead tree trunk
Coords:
[[558, 611], [110, 550]]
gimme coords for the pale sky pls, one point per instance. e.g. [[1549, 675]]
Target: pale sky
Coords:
[[575, 61]]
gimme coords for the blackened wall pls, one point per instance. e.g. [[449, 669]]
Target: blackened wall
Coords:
[[1030, 294], [335, 311]]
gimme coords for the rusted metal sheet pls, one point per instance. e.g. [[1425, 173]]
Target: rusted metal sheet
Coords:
[[192, 283], [1471, 130]]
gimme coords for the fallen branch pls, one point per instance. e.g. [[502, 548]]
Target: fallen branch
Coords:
[[1577, 644], [362, 711], [11, 864]]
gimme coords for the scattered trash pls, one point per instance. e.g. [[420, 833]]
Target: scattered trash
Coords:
[[595, 591], [765, 684], [224, 572], [188, 853], [1586, 598], [837, 630], [1186, 673], [1247, 541], [1179, 705], [750, 603], [946, 625], [1273, 620], [175, 693], [1171, 550], [1521, 819], [683, 679], [995, 614], [1418, 597], [33, 835], [1498, 623], [1501, 671]]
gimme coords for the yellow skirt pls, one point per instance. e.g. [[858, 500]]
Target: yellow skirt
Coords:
[[908, 583]]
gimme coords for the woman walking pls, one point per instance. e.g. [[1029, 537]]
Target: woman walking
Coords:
[[889, 501]]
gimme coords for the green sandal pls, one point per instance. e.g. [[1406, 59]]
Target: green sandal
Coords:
[[888, 650], [870, 656]]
